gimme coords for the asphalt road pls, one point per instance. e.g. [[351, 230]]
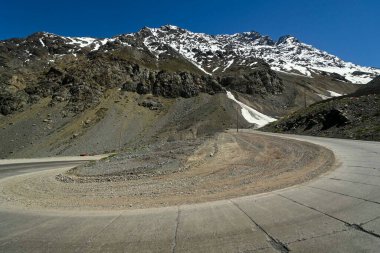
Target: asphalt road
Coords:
[[337, 212]]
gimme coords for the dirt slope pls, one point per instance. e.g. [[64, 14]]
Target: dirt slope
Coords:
[[120, 120]]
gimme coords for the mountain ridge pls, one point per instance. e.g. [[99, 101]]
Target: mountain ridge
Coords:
[[216, 53]]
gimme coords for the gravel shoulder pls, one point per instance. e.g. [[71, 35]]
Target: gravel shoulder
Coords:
[[229, 165]]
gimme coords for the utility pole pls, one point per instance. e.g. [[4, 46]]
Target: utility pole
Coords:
[[304, 97], [122, 124], [237, 119], [121, 129]]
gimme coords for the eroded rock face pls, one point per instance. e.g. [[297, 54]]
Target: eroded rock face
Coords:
[[261, 80], [355, 116], [334, 117], [318, 121], [10, 102], [172, 85], [151, 104]]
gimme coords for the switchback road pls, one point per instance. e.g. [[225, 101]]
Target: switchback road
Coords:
[[336, 212]]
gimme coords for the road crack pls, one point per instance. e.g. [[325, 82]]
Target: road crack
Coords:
[[354, 182], [350, 225], [319, 236], [174, 242], [90, 240], [364, 167], [375, 202], [371, 220], [275, 243], [355, 173]]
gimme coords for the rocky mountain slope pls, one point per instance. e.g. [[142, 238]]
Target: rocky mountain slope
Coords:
[[167, 61], [80, 69], [210, 53], [62, 92], [215, 54], [354, 116]]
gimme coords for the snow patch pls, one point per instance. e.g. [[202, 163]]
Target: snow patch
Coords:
[[228, 65], [334, 94], [81, 41], [42, 43], [215, 69], [200, 67], [331, 94], [250, 114], [323, 96]]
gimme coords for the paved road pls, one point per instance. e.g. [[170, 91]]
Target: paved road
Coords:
[[13, 167], [7, 170], [337, 212]]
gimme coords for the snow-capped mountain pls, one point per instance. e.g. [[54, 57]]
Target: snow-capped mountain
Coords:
[[217, 53], [210, 53]]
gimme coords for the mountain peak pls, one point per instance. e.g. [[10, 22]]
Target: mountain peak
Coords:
[[252, 37], [287, 39], [42, 34], [170, 27]]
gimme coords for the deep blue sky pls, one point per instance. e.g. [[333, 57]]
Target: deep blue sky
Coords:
[[349, 29]]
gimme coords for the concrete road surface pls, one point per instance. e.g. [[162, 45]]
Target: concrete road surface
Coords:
[[337, 212], [12, 167]]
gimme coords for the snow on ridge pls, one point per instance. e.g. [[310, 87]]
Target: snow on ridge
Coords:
[[81, 41], [348, 72], [215, 69], [207, 52], [228, 65], [288, 54], [89, 42], [173, 42], [202, 69], [250, 114], [42, 43]]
